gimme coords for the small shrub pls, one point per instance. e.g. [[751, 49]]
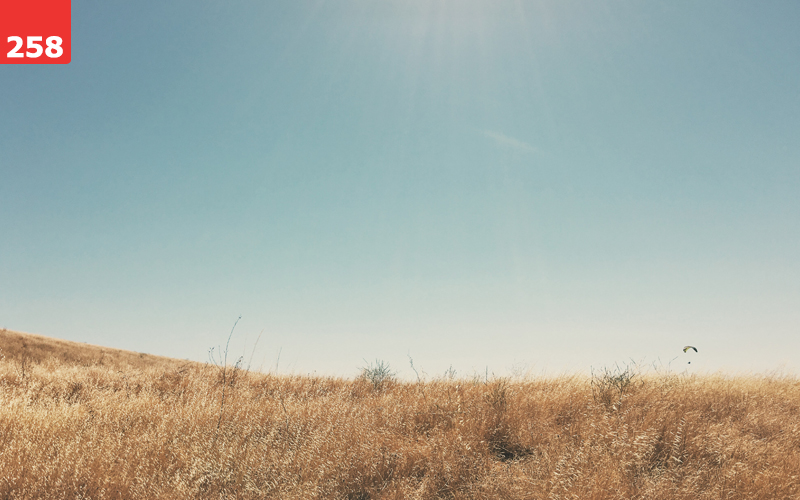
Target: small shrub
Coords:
[[610, 386], [377, 374]]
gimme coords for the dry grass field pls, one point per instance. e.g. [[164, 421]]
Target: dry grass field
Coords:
[[79, 421]]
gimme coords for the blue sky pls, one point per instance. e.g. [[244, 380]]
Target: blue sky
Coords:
[[550, 186]]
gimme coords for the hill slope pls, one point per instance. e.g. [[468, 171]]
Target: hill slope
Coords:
[[32, 348], [86, 422]]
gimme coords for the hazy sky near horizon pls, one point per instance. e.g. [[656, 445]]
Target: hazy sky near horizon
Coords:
[[552, 185]]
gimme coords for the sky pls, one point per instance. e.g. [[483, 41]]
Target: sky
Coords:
[[495, 186]]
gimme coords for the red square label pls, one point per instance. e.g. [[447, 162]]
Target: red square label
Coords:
[[35, 31]]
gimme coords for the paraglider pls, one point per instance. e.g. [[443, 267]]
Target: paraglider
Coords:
[[686, 349]]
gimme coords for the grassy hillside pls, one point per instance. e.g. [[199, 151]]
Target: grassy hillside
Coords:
[[79, 421], [27, 348]]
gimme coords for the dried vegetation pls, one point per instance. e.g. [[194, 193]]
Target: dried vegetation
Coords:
[[110, 424]]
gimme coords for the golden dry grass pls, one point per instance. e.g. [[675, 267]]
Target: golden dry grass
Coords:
[[28, 348], [76, 427]]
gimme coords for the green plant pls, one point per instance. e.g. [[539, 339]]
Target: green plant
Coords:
[[377, 374]]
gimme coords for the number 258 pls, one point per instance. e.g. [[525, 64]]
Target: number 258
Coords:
[[53, 49]]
